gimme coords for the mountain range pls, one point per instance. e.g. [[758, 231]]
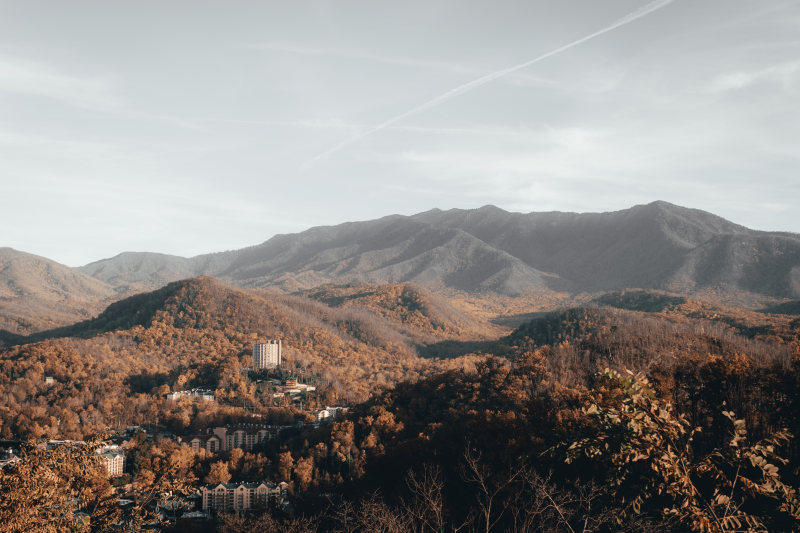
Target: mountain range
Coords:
[[486, 250], [658, 245]]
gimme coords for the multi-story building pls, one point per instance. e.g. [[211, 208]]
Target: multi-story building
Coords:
[[245, 438], [211, 443], [242, 496], [267, 354], [113, 459]]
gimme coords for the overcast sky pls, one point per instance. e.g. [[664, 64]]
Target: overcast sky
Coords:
[[192, 127]]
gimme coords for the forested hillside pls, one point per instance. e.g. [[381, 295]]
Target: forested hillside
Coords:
[[497, 440], [452, 415], [199, 332]]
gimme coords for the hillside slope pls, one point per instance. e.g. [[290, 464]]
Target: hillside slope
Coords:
[[202, 320], [37, 293]]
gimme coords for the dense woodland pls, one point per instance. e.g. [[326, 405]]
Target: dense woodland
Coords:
[[116, 369], [456, 424]]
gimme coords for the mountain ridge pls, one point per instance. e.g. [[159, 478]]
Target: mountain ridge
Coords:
[[657, 245]]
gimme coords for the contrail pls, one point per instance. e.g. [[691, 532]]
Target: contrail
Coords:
[[461, 89]]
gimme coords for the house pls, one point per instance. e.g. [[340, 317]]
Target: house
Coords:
[[336, 411], [7, 457], [53, 444], [329, 413], [242, 496], [244, 436], [292, 387]]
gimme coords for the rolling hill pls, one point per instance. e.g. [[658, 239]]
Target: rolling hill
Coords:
[[37, 293], [199, 320]]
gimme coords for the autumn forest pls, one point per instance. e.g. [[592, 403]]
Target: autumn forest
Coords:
[[630, 410]]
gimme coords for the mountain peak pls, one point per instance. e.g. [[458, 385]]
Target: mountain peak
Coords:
[[490, 208]]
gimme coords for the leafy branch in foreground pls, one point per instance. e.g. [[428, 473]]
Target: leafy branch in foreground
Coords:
[[67, 489], [44, 490], [652, 465]]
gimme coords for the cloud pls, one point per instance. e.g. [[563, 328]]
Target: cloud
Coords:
[[90, 92], [520, 79], [785, 74], [336, 124], [23, 76], [362, 56]]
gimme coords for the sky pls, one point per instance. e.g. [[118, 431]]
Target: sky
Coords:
[[194, 127]]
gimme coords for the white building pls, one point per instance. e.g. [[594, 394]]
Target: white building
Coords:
[[267, 354], [329, 413], [195, 394], [113, 459]]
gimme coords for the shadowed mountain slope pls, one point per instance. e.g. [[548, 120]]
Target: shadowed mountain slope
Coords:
[[787, 308], [658, 245]]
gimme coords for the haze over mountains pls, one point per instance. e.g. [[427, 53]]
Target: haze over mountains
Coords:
[[488, 250]]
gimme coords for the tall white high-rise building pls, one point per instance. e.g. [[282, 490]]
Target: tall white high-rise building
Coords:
[[267, 354]]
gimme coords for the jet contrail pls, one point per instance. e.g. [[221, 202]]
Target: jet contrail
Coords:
[[461, 89]]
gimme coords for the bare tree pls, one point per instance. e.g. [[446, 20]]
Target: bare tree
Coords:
[[344, 512], [426, 509], [491, 505], [377, 517]]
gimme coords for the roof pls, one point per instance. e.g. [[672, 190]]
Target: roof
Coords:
[[205, 438], [232, 486], [112, 454]]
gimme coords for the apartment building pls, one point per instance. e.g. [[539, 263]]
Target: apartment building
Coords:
[[212, 443], [245, 438], [267, 354], [242, 496], [113, 458]]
